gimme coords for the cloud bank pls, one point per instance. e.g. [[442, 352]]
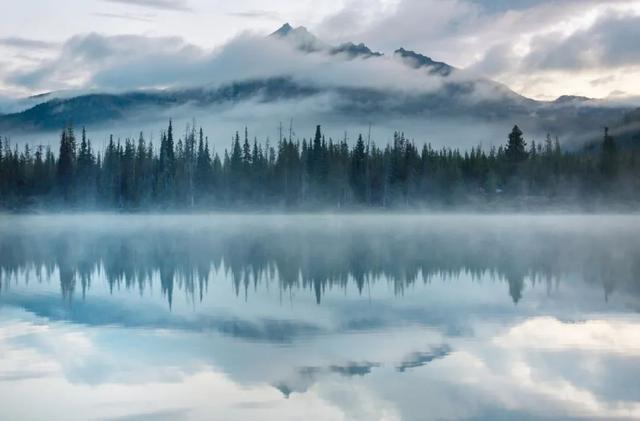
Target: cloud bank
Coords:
[[128, 62]]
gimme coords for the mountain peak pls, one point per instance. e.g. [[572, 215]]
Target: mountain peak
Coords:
[[569, 99], [287, 30], [300, 37], [283, 31], [355, 50], [417, 60]]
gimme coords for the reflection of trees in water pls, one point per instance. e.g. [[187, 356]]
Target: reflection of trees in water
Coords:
[[317, 260]]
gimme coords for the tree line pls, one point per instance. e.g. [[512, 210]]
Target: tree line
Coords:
[[185, 173]]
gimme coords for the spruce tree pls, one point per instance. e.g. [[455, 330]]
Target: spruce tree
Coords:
[[66, 164], [358, 171], [516, 147]]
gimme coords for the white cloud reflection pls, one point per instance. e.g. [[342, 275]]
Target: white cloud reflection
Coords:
[[105, 372]]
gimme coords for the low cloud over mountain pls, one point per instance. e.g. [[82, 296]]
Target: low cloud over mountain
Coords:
[[291, 74]]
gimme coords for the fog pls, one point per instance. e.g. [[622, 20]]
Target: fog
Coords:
[[263, 120]]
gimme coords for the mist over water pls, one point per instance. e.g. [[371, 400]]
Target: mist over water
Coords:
[[319, 316]]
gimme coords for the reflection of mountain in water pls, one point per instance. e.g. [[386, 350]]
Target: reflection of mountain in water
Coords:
[[319, 258]]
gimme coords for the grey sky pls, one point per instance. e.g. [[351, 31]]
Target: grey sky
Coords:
[[542, 49]]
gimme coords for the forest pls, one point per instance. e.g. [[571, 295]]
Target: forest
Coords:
[[316, 173]]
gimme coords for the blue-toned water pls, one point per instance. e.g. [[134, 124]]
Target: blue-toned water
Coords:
[[318, 317]]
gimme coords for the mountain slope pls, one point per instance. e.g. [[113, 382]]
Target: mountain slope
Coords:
[[417, 60], [104, 109], [627, 132], [352, 50]]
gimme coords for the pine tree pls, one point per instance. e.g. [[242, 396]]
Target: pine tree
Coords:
[[128, 185], [142, 171], [358, 171], [166, 168], [66, 164], [203, 177], [516, 147], [85, 170]]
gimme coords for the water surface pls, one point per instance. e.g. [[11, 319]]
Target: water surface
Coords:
[[319, 317]]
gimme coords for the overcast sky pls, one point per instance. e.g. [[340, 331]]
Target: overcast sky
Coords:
[[539, 48]]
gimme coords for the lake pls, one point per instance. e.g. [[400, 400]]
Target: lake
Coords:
[[319, 317]]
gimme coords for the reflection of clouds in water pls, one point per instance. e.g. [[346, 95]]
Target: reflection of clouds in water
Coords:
[[616, 336], [34, 350], [476, 376], [201, 396], [121, 351], [506, 377], [61, 362], [511, 369], [590, 366]]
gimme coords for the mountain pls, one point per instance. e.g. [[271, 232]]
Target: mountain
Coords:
[[284, 31], [627, 132], [417, 61], [105, 109], [572, 99], [300, 37], [352, 50], [633, 117], [460, 100], [305, 41]]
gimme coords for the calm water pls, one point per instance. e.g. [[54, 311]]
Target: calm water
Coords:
[[319, 317]]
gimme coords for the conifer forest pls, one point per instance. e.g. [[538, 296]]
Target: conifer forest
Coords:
[[185, 172]]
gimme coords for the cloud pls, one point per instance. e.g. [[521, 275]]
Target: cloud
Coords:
[[26, 43], [320, 87], [507, 5], [516, 42], [343, 94], [154, 415], [84, 59], [604, 336], [602, 80], [453, 30], [489, 40], [495, 38], [126, 62], [126, 16], [421, 25], [495, 60], [257, 14], [612, 41], [179, 5]]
